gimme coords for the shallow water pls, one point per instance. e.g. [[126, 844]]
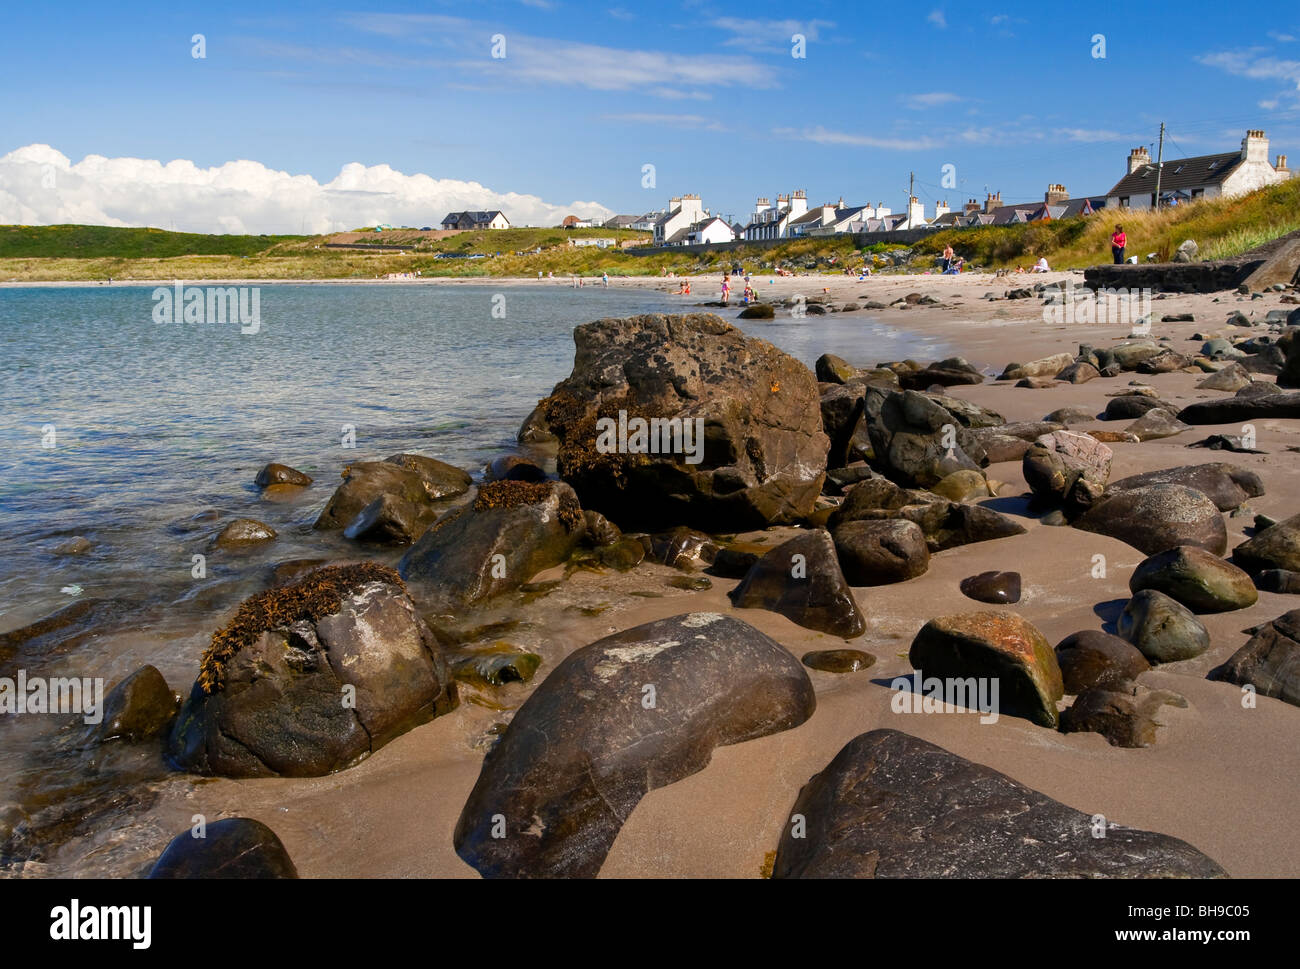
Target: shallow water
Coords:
[[160, 429]]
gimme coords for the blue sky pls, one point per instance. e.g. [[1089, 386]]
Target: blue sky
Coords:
[[1010, 94]]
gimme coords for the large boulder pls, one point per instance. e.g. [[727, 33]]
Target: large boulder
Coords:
[[1157, 517], [1156, 424], [916, 441], [1275, 547], [1270, 661], [1000, 646], [1044, 367], [881, 552], [945, 524], [1237, 410], [762, 456], [510, 531], [1125, 717], [1200, 581], [230, 848], [629, 713], [1227, 485], [1164, 630], [1092, 658], [893, 806], [1067, 470], [309, 678], [842, 407], [412, 484], [801, 579]]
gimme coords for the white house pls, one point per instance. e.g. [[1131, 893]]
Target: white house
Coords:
[[476, 220], [673, 227], [710, 231], [1205, 176], [773, 221]]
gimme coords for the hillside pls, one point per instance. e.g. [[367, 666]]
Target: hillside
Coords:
[[1222, 229]]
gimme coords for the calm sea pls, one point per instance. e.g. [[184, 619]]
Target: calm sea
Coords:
[[120, 429]]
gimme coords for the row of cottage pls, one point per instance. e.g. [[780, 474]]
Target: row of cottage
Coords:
[[687, 222]]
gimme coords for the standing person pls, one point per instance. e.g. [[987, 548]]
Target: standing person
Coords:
[[726, 289], [604, 278], [947, 257], [1117, 243]]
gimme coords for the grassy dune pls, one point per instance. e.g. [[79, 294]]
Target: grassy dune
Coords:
[[1221, 227]]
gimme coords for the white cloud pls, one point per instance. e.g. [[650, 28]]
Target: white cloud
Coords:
[[1250, 63], [41, 186], [824, 136], [937, 18], [671, 120], [1282, 38], [930, 100]]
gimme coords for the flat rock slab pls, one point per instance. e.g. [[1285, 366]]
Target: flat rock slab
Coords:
[[589, 743], [892, 806], [1270, 662]]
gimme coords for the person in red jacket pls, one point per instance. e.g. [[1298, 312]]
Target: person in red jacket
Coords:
[[1117, 243]]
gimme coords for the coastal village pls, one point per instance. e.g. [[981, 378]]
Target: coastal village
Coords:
[[686, 221]]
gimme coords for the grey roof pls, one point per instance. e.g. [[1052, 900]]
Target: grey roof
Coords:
[[478, 217], [1178, 173], [620, 221]]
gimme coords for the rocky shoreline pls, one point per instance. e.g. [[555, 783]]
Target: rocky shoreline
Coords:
[[590, 632]]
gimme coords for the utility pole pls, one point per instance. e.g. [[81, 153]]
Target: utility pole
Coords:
[[1160, 158], [911, 185]]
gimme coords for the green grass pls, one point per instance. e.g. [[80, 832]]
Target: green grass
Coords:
[[1222, 228], [98, 241]]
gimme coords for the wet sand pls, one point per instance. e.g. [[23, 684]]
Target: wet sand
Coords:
[[1219, 776]]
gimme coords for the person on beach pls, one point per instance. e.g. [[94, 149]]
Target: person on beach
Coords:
[[726, 290], [948, 255], [1040, 266], [604, 278], [1117, 243]]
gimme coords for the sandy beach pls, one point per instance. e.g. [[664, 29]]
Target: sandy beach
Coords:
[[1220, 776]]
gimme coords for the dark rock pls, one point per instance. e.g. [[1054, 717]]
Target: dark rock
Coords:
[[510, 532], [511, 467], [1274, 547], [1156, 424], [1227, 485], [1162, 629], [1238, 410], [1131, 406], [758, 311], [1092, 658], [880, 552], [1278, 580], [994, 645], [691, 583], [77, 545], [142, 706], [842, 408], [231, 848], [1226, 442], [910, 435], [681, 548], [893, 806], [624, 555], [1157, 517], [1200, 581], [1078, 373], [600, 530], [801, 579], [1270, 661], [441, 480], [833, 370], [243, 532], [763, 454], [310, 678], [274, 474], [590, 741], [999, 588], [1067, 470], [1071, 415], [1125, 719], [838, 660], [734, 563], [364, 482], [495, 666], [389, 520]]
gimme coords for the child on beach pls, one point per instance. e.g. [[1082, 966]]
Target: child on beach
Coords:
[[726, 290]]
